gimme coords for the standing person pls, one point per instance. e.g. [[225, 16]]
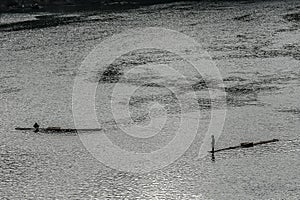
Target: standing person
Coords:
[[213, 147], [36, 126]]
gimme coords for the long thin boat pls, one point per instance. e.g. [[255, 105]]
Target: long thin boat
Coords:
[[246, 145], [56, 129]]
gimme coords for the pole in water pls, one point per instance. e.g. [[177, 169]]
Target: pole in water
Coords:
[[213, 148], [36, 126]]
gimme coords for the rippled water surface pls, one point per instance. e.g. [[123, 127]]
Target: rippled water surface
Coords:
[[255, 45]]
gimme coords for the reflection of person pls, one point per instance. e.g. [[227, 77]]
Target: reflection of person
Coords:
[[36, 126]]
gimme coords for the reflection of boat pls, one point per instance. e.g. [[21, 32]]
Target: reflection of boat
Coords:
[[56, 130]]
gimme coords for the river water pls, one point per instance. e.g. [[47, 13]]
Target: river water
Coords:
[[255, 46]]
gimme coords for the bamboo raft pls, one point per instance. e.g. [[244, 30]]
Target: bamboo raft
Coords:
[[245, 145]]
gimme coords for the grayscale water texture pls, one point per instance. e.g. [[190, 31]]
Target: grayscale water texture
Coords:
[[256, 46]]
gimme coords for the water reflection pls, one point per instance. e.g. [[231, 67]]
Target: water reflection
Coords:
[[257, 54]]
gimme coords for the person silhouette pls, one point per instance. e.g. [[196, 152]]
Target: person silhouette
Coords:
[[36, 126], [213, 148]]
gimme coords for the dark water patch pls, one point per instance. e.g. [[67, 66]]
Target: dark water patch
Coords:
[[45, 21], [111, 74], [114, 71], [277, 79], [203, 84], [292, 50], [140, 117], [290, 29], [245, 18], [231, 47], [248, 88], [234, 78], [64, 71], [3, 78], [239, 52], [239, 87], [181, 7], [153, 85], [204, 103], [112, 18], [174, 5], [239, 91], [292, 17], [46, 17], [200, 85], [242, 36], [70, 6], [10, 90], [243, 93], [295, 111], [292, 47], [239, 101], [149, 81], [24, 48], [194, 24], [98, 16], [166, 99], [246, 72], [246, 46]]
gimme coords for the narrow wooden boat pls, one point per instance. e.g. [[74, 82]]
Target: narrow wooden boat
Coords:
[[56, 130], [246, 145]]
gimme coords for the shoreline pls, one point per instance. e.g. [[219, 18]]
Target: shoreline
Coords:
[[82, 7]]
